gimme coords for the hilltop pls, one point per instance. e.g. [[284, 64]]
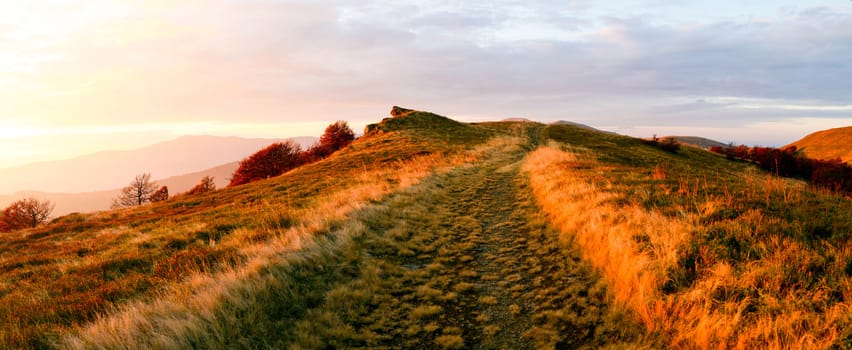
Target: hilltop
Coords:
[[697, 141], [827, 144], [431, 233]]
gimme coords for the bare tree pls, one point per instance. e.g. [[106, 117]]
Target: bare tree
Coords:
[[137, 193], [27, 212]]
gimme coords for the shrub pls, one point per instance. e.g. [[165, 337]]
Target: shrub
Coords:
[[23, 213], [281, 157], [668, 144], [160, 195], [831, 174], [271, 161], [336, 136], [206, 185]]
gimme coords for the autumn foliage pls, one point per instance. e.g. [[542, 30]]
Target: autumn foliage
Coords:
[[160, 195], [831, 174], [206, 185], [271, 161], [335, 137], [27, 212], [281, 157]]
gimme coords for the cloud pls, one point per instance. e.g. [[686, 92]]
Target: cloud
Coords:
[[278, 61]]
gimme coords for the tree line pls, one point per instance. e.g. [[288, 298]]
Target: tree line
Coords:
[[832, 174]]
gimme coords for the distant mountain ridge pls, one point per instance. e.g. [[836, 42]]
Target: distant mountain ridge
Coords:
[[697, 141], [101, 200], [827, 144], [113, 169], [584, 126]]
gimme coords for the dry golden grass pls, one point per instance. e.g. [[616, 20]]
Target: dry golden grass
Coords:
[[172, 319], [827, 144], [637, 248]]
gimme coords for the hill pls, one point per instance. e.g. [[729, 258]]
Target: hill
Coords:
[[582, 126], [827, 144], [66, 203], [108, 170], [700, 142], [430, 233]]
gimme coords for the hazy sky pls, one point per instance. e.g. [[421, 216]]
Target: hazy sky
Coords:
[[78, 76]]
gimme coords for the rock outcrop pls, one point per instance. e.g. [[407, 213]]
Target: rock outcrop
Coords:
[[398, 111]]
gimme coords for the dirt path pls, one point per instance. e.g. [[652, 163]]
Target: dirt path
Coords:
[[464, 260]]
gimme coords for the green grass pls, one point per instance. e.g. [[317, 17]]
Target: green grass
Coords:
[[63, 275], [775, 248], [427, 233], [389, 277]]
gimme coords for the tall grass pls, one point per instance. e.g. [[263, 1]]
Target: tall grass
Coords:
[[196, 312], [760, 287]]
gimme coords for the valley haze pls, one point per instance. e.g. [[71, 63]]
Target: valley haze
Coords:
[[90, 182]]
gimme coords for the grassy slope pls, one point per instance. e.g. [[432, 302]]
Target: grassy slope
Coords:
[[426, 233], [64, 274], [827, 144], [453, 261], [699, 142], [706, 252]]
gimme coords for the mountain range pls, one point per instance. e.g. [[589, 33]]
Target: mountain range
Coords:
[[88, 183]]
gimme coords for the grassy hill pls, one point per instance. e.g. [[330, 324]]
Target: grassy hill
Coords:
[[429, 233], [827, 144], [699, 142]]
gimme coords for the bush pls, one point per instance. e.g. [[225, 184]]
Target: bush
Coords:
[[160, 195], [336, 136], [271, 161], [206, 185], [23, 213], [831, 174], [281, 157], [668, 144]]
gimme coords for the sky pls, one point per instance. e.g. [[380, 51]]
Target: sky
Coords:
[[82, 76]]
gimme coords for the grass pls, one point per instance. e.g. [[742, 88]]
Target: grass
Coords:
[[433, 233], [418, 267], [65, 274], [827, 144], [706, 252]]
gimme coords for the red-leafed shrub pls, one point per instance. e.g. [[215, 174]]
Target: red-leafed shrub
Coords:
[[336, 136], [832, 174], [160, 195], [206, 185], [271, 161], [281, 157], [23, 213]]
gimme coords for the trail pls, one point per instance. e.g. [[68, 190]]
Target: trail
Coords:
[[464, 260]]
